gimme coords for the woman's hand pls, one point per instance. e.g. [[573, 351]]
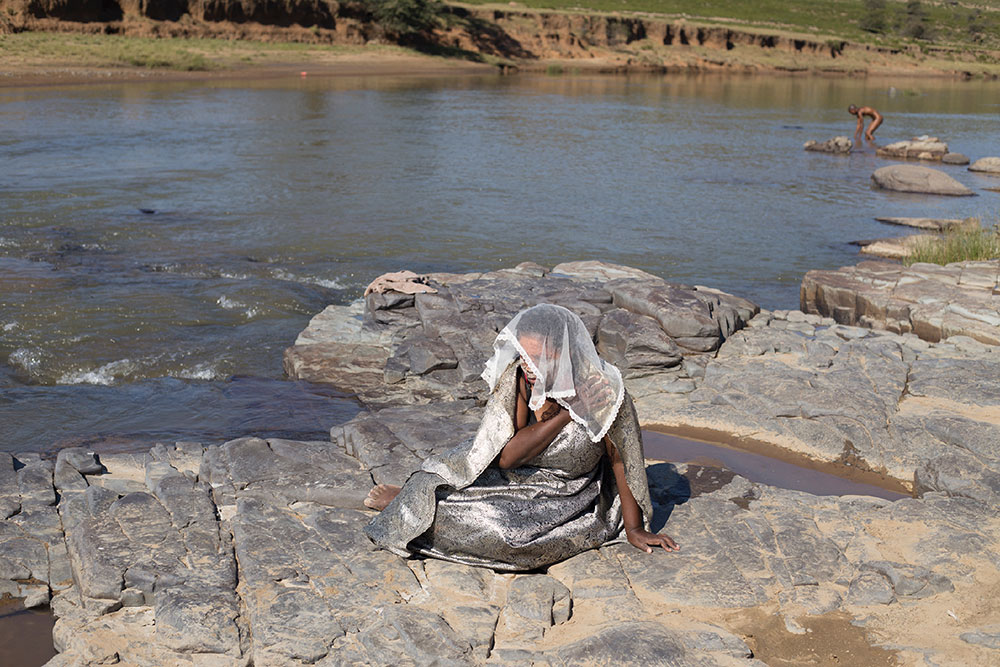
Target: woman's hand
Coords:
[[644, 540], [548, 410]]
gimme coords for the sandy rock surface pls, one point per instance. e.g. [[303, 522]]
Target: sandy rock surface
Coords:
[[933, 224], [898, 247], [920, 180]]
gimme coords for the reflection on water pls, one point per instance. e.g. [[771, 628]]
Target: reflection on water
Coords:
[[189, 230]]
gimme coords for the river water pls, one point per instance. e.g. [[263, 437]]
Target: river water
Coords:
[[162, 243]]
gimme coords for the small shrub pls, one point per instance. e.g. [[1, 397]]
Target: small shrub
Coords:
[[958, 246]]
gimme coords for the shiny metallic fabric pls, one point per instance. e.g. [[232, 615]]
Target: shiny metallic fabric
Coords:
[[461, 507]]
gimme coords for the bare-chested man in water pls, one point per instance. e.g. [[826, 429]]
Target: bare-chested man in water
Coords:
[[861, 112]]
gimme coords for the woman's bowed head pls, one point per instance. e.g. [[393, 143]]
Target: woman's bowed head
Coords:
[[556, 467]]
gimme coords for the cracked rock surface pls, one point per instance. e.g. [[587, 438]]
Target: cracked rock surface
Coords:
[[931, 301]]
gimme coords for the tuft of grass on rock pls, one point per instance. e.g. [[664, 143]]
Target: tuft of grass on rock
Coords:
[[958, 246]]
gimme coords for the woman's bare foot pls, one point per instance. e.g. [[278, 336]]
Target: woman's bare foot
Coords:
[[381, 496]]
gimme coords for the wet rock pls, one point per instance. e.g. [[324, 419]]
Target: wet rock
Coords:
[[955, 158], [986, 165], [835, 145], [921, 180], [917, 148]]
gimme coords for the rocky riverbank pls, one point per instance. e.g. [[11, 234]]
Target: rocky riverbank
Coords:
[[252, 552]]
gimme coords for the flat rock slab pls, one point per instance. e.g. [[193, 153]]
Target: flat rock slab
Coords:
[[839, 145], [931, 301], [899, 247], [986, 165], [919, 148], [393, 348], [920, 180], [934, 224], [927, 414]]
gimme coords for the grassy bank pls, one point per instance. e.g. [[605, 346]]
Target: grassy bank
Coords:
[[928, 23], [957, 246]]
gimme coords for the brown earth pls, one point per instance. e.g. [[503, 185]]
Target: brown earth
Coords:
[[508, 37]]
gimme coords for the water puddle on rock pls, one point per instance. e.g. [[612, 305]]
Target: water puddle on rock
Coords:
[[767, 464], [25, 634]]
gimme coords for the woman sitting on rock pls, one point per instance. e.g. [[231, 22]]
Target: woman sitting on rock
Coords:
[[555, 468]]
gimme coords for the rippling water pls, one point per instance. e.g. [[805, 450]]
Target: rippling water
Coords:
[[161, 243]]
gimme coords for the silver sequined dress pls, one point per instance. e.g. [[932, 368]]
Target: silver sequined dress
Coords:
[[461, 507], [558, 504]]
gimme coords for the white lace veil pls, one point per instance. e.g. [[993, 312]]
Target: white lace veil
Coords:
[[556, 346]]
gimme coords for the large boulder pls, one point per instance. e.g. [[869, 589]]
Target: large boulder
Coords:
[[986, 165], [396, 349], [922, 180]]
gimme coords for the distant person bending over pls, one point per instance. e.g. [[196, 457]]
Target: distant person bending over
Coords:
[[861, 112]]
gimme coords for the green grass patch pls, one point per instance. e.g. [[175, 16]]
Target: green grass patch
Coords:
[[958, 246]]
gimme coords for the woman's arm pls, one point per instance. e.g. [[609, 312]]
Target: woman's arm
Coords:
[[637, 535], [530, 441]]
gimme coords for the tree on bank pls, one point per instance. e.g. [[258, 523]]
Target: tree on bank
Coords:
[[875, 18], [405, 18]]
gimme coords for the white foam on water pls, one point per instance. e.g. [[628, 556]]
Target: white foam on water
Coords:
[[281, 274], [105, 375], [229, 304], [9, 326], [233, 304], [30, 359], [198, 372]]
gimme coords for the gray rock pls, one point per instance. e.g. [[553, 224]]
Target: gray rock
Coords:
[[638, 643], [83, 461], [433, 350], [918, 148], [921, 180], [841, 145], [635, 343], [10, 496], [955, 158], [986, 165], [34, 483], [988, 637], [870, 588]]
